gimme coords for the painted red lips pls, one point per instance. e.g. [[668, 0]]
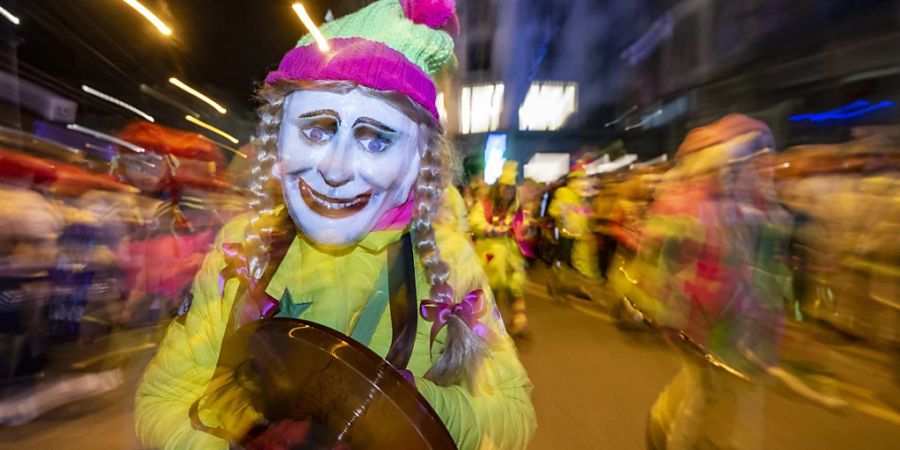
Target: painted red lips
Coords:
[[333, 208]]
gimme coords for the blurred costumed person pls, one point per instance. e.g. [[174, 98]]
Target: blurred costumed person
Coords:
[[351, 169], [495, 222], [712, 274], [572, 210]]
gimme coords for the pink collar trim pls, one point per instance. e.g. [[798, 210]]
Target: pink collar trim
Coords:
[[397, 218]]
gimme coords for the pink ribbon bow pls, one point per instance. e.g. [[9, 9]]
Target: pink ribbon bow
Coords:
[[470, 309]]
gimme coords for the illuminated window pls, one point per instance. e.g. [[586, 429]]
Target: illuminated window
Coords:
[[480, 107], [494, 157], [548, 105]]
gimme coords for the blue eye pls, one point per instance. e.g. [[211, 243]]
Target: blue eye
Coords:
[[373, 140], [374, 145], [316, 134]]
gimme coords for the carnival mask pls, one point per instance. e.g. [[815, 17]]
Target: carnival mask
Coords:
[[345, 159]]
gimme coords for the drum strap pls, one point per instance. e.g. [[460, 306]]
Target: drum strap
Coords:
[[403, 302], [396, 278]]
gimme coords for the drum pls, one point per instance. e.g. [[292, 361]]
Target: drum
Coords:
[[302, 372]]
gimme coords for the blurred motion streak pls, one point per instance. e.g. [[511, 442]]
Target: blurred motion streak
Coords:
[[181, 85], [709, 211], [152, 18], [105, 137], [311, 26], [116, 102], [9, 16], [853, 110]]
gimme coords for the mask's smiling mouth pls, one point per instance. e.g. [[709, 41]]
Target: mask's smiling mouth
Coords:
[[333, 208]]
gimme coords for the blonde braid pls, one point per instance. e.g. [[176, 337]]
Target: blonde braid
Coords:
[[463, 349], [263, 191]]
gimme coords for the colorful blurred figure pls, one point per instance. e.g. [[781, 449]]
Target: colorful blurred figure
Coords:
[[572, 210], [712, 272], [494, 221]]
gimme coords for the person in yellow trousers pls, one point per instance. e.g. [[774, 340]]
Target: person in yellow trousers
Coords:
[[351, 170], [495, 221], [572, 211]]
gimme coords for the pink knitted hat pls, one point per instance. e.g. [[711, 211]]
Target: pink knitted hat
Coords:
[[390, 45]]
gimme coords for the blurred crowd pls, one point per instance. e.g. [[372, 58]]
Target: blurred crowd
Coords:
[[97, 238], [819, 219], [721, 249]]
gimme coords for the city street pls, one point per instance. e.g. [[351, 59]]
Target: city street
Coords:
[[594, 385]]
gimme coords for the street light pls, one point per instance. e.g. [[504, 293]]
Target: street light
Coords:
[[313, 30], [105, 137], [116, 102], [156, 21], [197, 94], [9, 16]]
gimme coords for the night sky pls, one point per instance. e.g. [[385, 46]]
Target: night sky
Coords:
[[223, 48]]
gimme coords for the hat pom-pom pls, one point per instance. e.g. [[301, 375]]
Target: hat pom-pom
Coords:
[[436, 14]]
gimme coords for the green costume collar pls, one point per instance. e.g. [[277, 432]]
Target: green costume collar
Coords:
[[288, 271]]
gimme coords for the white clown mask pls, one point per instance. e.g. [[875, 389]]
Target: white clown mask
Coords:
[[345, 159]]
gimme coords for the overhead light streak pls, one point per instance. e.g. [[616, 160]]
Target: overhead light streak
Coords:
[[9, 16], [209, 127], [197, 94], [116, 102], [152, 18], [313, 29], [105, 137]]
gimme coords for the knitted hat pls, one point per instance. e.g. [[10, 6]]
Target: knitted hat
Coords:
[[390, 45], [508, 176]]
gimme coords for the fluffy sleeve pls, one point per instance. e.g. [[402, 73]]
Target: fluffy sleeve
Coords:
[[181, 370]]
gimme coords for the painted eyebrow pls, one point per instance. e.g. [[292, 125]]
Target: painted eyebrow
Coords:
[[319, 113], [374, 123]]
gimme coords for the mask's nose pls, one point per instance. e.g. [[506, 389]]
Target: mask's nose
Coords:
[[336, 168]]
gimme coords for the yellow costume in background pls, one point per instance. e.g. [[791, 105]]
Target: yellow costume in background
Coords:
[[498, 250], [573, 216]]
